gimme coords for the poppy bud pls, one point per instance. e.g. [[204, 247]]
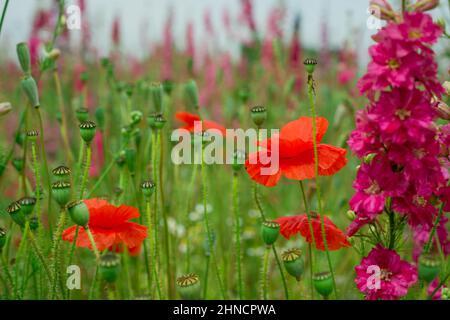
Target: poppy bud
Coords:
[[136, 117], [148, 188], [61, 192], [259, 115], [82, 114], [33, 223], [32, 135], [428, 268], [87, 131], [323, 283], [2, 238], [61, 172], [160, 121], [293, 262], [191, 95], [30, 88], [238, 160], [130, 156], [100, 117], [79, 213], [5, 108], [189, 286], [27, 204], [310, 65], [156, 90], [23, 53], [16, 213], [270, 231], [18, 164], [109, 267]]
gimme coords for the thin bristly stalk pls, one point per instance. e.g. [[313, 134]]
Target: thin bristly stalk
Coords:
[[264, 273], [429, 243], [237, 230], [37, 177], [55, 250], [311, 96], [100, 180], [18, 259], [187, 224], [206, 275], [87, 166], [40, 256], [93, 244], [148, 211]]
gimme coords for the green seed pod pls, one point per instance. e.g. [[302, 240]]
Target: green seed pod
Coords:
[[32, 135], [109, 267], [151, 120], [136, 117], [148, 188], [129, 89], [238, 160], [2, 238], [61, 172], [82, 114], [168, 86], [23, 53], [323, 283], [100, 117], [87, 131], [79, 213], [293, 262], [156, 90], [189, 287], [33, 223], [270, 231], [27, 204], [428, 268], [160, 122], [5, 108], [30, 88], [16, 213], [130, 157], [61, 192], [259, 115], [310, 65], [18, 164], [191, 95]]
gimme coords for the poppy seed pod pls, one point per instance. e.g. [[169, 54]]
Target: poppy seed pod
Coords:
[[32, 135], [27, 204], [189, 286], [61, 172], [238, 160], [191, 95], [148, 188], [428, 268], [160, 122], [323, 283], [61, 192], [82, 114], [156, 91], [2, 238], [151, 119], [270, 231], [109, 267], [259, 115], [16, 213], [310, 65], [29, 86], [5, 108], [79, 213], [87, 131], [293, 262], [23, 53]]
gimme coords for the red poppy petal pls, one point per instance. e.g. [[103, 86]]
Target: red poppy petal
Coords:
[[95, 203], [110, 216], [254, 168], [331, 159], [187, 117], [208, 124], [132, 234], [301, 129], [290, 226]]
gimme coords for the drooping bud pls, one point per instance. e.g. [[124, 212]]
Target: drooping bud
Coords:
[[148, 188], [2, 238], [381, 9], [424, 5], [79, 213], [443, 110], [61, 192], [61, 172], [109, 267], [323, 283], [191, 95], [29, 86], [310, 65], [82, 114], [23, 53], [189, 286], [156, 90], [5, 108], [293, 262], [428, 268], [238, 160], [259, 115], [87, 131], [27, 204], [16, 213], [270, 231]]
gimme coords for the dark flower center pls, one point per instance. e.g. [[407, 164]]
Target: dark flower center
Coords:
[[385, 275], [402, 114], [393, 64], [373, 189], [415, 34]]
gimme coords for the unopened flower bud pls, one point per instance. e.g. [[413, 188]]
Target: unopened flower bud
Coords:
[[82, 114], [87, 131], [29, 86], [351, 215], [424, 5], [270, 231], [148, 188], [293, 262], [32, 135], [168, 86], [310, 65], [323, 283], [191, 95], [259, 115], [61, 192], [54, 54], [27, 204], [189, 286], [79, 213], [428, 268], [381, 9], [5, 108], [23, 53], [136, 117], [16, 213], [109, 267], [443, 110]]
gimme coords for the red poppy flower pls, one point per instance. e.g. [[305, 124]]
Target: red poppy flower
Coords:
[[189, 119], [296, 154], [336, 239], [109, 226]]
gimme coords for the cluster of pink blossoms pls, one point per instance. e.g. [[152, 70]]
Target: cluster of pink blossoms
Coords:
[[406, 153]]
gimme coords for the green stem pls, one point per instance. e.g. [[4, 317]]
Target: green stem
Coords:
[[55, 248], [206, 275], [72, 251], [5, 8], [187, 223], [36, 169], [87, 166], [429, 243], [148, 212], [237, 230], [280, 268], [40, 256], [316, 171], [93, 244], [101, 179], [264, 273]]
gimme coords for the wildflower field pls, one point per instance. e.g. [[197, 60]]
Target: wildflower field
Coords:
[[279, 172]]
